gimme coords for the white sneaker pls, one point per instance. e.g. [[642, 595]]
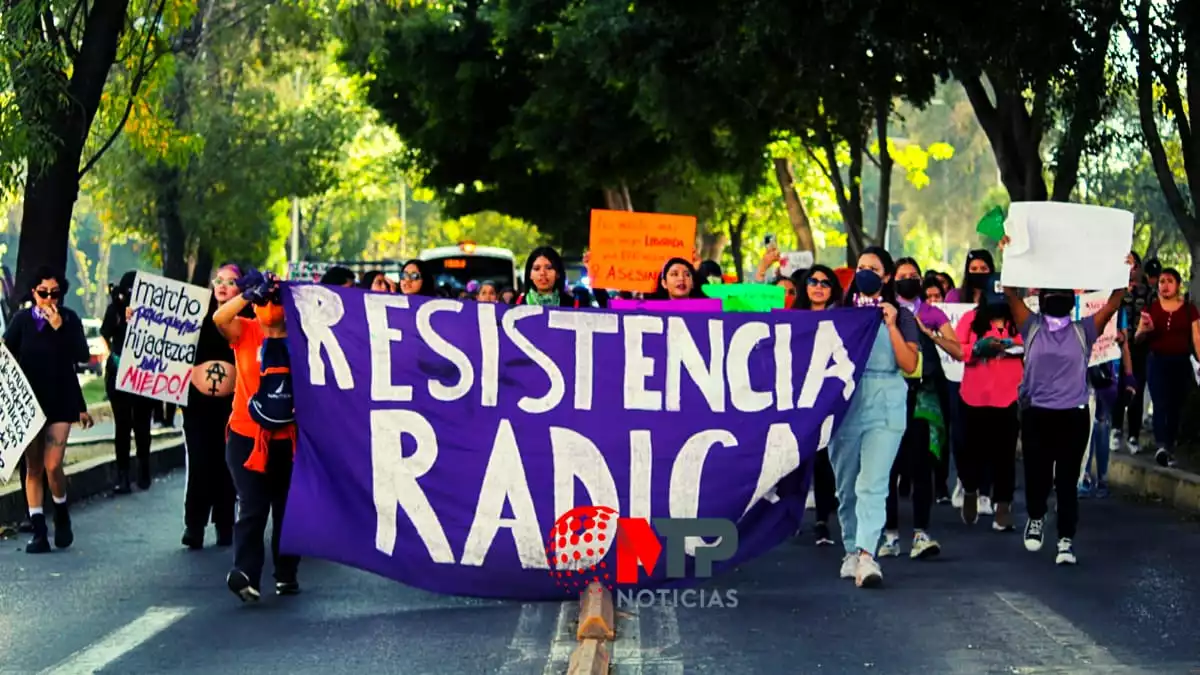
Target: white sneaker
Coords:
[[985, 506], [924, 546], [849, 566], [869, 573], [1066, 552], [1114, 440], [956, 499], [1133, 446], [891, 546]]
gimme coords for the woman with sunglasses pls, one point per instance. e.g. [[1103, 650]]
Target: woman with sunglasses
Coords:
[[47, 342], [131, 413], [262, 435], [415, 279], [209, 495]]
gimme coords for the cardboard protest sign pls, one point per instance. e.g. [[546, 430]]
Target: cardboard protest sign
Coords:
[[160, 342], [685, 305], [1106, 348], [628, 249], [466, 431], [748, 297], [1058, 245], [21, 418], [790, 263], [953, 368]]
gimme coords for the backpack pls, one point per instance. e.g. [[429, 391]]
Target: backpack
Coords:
[[1024, 398], [273, 407]]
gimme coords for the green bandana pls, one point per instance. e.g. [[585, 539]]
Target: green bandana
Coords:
[[542, 299], [929, 409]]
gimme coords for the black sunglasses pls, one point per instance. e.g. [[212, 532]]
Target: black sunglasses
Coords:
[[823, 283], [412, 276], [48, 295]]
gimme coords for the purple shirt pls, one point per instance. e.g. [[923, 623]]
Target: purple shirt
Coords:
[[954, 295], [1059, 364]]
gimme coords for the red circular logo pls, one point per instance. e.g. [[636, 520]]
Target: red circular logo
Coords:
[[577, 546]]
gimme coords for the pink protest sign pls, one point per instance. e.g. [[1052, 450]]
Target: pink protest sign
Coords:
[[674, 306]]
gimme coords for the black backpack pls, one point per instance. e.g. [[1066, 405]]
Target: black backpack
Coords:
[[273, 406]]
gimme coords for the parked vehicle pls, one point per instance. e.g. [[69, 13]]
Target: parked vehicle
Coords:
[[97, 348]]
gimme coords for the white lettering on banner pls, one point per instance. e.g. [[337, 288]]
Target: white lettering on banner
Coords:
[[638, 366], [737, 367], [784, 392], [160, 339], [782, 457], [684, 491], [466, 372], [394, 481], [827, 346], [382, 335], [21, 419], [504, 482], [585, 326], [554, 395], [489, 347], [320, 309], [577, 458], [682, 353], [641, 469]]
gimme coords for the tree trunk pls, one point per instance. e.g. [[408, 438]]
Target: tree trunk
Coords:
[[203, 269], [883, 110], [617, 199], [735, 241], [1015, 134], [172, 238], [797, 215], [712, 245], [52, 182]]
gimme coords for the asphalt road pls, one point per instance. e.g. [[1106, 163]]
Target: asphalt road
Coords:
[[127, 599]]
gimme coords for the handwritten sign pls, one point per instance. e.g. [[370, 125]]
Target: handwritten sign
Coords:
[[748, 297], [307, 271], [793, 262], [160, 343], [628, 249], [22, 417], [1106, 348], [669, 306]]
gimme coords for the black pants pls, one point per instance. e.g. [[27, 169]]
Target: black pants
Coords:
[[915, 461], [209, 490], [990, 450], [1134, 404], [824, 487], [260, 495], [131, 414], [1054, 442], [1171, 383]]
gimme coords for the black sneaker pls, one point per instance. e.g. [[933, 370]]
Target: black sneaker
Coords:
[[63, 536], [1163, 457], [1033, 534], [193, 538], [40, 543], [240, 584], [287, 587], [821, 532]]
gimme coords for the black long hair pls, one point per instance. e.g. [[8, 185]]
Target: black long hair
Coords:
[[835, 288], [368, 278], [985, 313], [428, 286], [888, 293], [973, 255], [556, 261], [661, 293], [46, 272]]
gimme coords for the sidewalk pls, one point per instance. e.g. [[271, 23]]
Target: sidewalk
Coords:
[[1140, 476]]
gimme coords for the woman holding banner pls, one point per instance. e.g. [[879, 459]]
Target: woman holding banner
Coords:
[[821, 291], [262, 433], [415, 279], [1171, 327], [1054, 393], [209, 493], [131, 413], [47, 342], [916, 457], [865, 445], [546, 280]]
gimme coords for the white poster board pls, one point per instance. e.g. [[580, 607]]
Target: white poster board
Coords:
[[21, 418], [1058, 245], [790, 263], [953, 368], [1106, 348], [160, 342]]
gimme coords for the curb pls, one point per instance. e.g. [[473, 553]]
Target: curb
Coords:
[[156, 435], [594, 632], [1143, 477], [90, 478]]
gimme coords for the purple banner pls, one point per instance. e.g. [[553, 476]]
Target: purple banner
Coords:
[[441, 440]]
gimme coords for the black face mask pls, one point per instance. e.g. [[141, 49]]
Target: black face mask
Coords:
[[908, 288], [1057, 305], [978, 280]]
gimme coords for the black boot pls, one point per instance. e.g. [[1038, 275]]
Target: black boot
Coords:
[[143, 475], [224, 535], [63, 536], [122, 487], [193, 538], [40, 543]]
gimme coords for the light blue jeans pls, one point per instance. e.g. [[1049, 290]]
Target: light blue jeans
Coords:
[[864, 448]]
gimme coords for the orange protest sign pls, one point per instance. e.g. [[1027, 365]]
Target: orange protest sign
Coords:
[[628, 249]]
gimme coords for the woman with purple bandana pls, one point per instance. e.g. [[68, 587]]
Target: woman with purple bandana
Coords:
[[1053, 396]]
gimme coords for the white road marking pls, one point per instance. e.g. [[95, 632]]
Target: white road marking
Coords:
[[627, 648], [120, 642], [523, 648], [1076, 644], [564, 640]]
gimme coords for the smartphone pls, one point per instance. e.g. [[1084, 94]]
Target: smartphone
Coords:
[[769, 241]]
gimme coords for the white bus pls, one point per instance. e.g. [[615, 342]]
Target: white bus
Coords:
[[455, 266]]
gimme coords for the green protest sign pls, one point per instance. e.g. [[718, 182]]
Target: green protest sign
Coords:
[[747, 297], [992, 225]]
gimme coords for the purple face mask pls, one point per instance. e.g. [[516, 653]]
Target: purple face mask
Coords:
[[39, 318], [1055, 323]]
